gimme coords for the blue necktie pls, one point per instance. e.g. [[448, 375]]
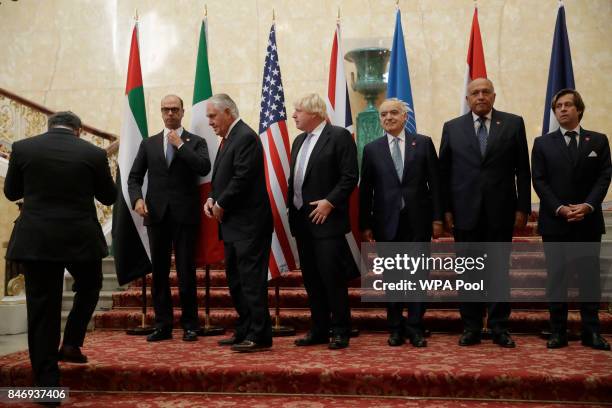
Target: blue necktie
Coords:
[[169, 153], [482, 135], [298, 176]]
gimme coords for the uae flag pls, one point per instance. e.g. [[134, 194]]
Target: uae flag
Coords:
[[560, 72], [339, 113], [209, 248], [476, 67], [130, 240]]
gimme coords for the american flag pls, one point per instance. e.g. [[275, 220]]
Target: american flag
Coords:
[[339, 113], [275, 139]]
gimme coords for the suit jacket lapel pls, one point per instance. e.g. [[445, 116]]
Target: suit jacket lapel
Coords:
[[470, 134], [409, 149], [159, 147], [559, 141], [584, 147], [494, 131], [299, 141], [226, 145], [385, 154], [321, 141]]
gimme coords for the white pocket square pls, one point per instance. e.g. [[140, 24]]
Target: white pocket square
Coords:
[[592, 154]]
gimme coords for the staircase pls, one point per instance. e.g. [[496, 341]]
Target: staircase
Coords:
[[110, 286], [527, 317]]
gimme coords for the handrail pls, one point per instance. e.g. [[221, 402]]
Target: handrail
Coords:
[[42, 109]]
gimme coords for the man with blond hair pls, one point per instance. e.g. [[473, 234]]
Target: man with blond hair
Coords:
[[323, 174]]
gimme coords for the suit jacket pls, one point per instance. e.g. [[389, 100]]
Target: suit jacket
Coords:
[[381, 191], [176, 187], [58, 176], [331, 173], [498, 184], [558, 181], [239, 186]]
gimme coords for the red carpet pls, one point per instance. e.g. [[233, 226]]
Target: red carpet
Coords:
[[368, 367], [174, 400]]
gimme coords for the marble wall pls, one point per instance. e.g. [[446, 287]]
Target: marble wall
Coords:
[[73, 54]]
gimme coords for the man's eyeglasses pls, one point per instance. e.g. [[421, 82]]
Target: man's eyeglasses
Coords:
[[168, 110]]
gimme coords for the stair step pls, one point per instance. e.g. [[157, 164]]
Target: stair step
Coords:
[[521, 321], [293, 279]]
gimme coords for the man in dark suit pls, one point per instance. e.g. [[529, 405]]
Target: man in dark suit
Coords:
[[400, 201], [323, 174], [173, 161], [486, 182], [58, 176], [571, 174], [239, 202]]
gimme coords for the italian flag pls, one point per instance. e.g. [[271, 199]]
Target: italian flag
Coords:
[[209, 249], [475, 67], [130, 239]]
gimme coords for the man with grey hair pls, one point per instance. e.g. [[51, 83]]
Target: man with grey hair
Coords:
[[400, 201], [174, 160], [323, 174], [58, 176], [239, 202]]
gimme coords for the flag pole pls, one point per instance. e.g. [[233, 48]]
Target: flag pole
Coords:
[[208, 329], [143, 329]]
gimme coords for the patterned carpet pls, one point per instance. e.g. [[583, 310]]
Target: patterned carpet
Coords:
[[169, 400], [368, 367]]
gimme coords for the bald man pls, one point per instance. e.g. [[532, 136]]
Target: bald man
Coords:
[[486, 184], [174, 160]]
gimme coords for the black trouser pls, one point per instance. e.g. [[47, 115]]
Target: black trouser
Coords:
[[44, 284], [324, 263], [162, 238], [496, 276], [246, 268], [416, 309], [575, 254]]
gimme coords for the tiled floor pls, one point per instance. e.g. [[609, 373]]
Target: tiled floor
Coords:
[[11, 343]]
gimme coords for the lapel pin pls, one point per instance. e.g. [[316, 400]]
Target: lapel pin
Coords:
[[188, 139], [586, 139], [413, 143], [498, 122]]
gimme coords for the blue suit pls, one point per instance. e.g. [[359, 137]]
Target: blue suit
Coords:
[[381, 194]]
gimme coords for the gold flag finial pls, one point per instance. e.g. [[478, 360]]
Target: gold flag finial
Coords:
[[397, 4], [273, 15], [338, 19], [136, 15], [205, 11]]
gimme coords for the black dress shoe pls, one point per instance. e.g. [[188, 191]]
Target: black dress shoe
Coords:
[[72, 354], [503, 339], [230, 341], [338, 342], [190, 335], [417, 339], [557, 340], [311, 340], [159, 335], [395, 339], [595, 341], [249, 346], [469, 338]]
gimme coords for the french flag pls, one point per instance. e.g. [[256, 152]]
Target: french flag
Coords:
[[560, 73]]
